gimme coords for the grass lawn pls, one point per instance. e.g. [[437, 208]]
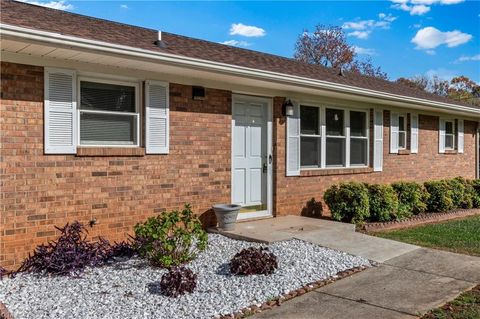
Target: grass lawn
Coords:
[[460, 236], [466, 306]]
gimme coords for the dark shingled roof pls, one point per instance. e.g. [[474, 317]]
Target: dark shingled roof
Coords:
[[66, 23]]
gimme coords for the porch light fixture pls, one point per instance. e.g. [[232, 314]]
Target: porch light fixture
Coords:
[[287, 109]]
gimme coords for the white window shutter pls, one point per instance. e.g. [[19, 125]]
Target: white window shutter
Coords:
[[461, 138], [394, 132], [441, 136], [378, 141], [157, 133], [60, 111], [293, 142], [414, 127]]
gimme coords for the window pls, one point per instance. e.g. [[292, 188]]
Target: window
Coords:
[[335, 124], [449, 135], [332, 137], [358, 138], [108, 113], [310, 136], [402, 132]]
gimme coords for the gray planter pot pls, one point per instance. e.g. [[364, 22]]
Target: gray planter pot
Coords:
[[226, 215]]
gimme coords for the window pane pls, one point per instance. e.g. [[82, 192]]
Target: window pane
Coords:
[[358, 151], [107, 129], [448, 127], [449, 141], [310, 151], [358, 126], [402, 141], [335, 152], [107, 97], [334, 119], [401, 123], [309, 117]]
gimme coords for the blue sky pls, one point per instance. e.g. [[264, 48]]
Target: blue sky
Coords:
[[404, 37]]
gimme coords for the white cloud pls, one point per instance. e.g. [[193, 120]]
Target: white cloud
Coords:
[[59, 5], [420, 7], [364, 51], [246, 30], [236, 43], [359, 34], [123, 6], [464, 58], [361, 29], [430, 52], [429, 38]]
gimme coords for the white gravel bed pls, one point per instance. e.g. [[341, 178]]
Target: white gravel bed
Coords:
[[124, 289]]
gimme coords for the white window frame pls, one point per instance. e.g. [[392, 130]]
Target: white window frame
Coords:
[[453, 134], [405, 131], [136, 114], [317, 136], [346, 130]]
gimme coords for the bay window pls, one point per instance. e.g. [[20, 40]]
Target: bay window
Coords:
[[108, 113], [333, 137]]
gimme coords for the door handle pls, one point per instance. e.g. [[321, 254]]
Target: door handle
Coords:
[[270, 159], [264, 168]]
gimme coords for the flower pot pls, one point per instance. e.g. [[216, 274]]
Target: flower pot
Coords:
[[226, 215]]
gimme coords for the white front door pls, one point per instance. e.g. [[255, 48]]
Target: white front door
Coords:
[[251, 160]]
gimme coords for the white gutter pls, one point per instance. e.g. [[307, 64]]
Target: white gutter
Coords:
[[60, 39]]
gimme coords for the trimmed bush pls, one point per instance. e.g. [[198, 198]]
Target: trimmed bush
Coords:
[[253, 261], [171, 239], [383, 203], [475, 184], [412, 198], [178, 281], [462, 193], [440, 199], [348, 202]]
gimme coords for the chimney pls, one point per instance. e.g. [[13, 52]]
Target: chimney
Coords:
[[159, 43]]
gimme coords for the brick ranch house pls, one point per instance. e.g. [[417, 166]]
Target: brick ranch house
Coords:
[[114, 123]]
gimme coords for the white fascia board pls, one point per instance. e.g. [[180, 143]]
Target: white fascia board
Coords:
[[76, 42]]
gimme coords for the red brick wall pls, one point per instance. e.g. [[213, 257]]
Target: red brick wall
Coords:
[[39, 191], [293, 193]]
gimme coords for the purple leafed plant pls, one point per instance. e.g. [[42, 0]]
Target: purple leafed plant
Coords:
[[178, 281], [123, 249], [3, 272], [71, 253], [253, 261]]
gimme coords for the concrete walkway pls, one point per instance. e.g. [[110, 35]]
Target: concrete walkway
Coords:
[[408, 280]]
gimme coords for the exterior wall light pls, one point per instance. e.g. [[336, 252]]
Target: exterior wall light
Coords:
[[287, 108]]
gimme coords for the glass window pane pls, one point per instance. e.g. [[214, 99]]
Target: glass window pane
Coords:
[[107, 129], [449, 127], [310, 151], [401, 123], [358, 126], [335, 151], [334, 121], [358, 151], [309, 120], [402, 141], [449, 141], [107, 97]]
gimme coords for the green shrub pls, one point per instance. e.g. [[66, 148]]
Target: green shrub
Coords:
[[383, 202], [412, 198], [171, 239], [462, 193], [348, 202], [475, 184], [440, 199]]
